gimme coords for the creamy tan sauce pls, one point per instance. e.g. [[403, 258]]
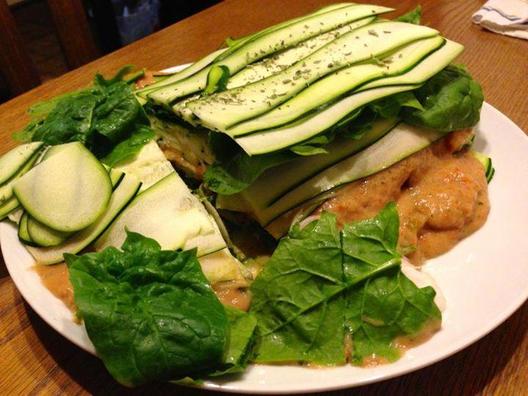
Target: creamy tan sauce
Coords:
[[374, 361], [195, 168], [56, 279], [441, 197], [148, 78], [232, 295], [405, 342]]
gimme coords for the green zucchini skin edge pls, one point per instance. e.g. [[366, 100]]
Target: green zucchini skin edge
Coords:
[[236, 58]]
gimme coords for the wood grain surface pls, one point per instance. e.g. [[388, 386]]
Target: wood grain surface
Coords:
[[34, 359]]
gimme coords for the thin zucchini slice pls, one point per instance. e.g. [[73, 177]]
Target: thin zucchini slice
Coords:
[[12, 161], [233, 45], [116, 176], [23, 234], [268, 188], [9, 206], [487, 163], [6, 190], [53, 150], [401, 142], [66, 192], [279, 138], [123, 194], [149, 165], [168, 213], [241, 40], [44, 236], [221, 266], [216, 79], [330, 88], [223, 110], [260, 46], [281, 60], [274, 139], [273, 64], [188, 71], [423, 70]]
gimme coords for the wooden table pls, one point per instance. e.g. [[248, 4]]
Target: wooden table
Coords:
[[34, 359]]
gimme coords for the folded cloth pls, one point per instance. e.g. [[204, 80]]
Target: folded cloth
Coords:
[[509, 17]]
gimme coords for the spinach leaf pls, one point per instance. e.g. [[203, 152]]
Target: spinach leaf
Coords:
[[370, 244], [294, 297], [150, 314], [69, 120], [130, 147], [412, 16], [383, 309], [321, 285], [238, 172], [392, 105], [451, 100], [312, 146], [241, 342], [100, 116], [448, 101], [117, 112]]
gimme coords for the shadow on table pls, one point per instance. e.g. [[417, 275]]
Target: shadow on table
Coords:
[[467, 372]]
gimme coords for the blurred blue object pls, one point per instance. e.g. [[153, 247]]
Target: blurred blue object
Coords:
[[136, 19]]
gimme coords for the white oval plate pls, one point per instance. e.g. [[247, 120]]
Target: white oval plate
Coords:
[[484, 280]]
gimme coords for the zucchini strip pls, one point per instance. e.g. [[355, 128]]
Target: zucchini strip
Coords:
[[267, 141], [332, 87], [217, 55], [422, 71], [273, 64], [180, 75], [12, 161], [277, 139], [225, 109], [403, 141], [268, 188], [260, 46], [279, 61]]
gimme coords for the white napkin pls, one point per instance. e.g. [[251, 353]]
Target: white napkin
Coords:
[[509, 17]]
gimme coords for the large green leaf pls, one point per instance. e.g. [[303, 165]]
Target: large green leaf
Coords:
[[384, 308], [295, 297], [451, 100], [241, 341], [100, 116], [150, 314], [321, 284]]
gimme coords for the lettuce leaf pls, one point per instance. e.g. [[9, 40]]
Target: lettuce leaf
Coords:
[[322, 286], [150, 314]]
